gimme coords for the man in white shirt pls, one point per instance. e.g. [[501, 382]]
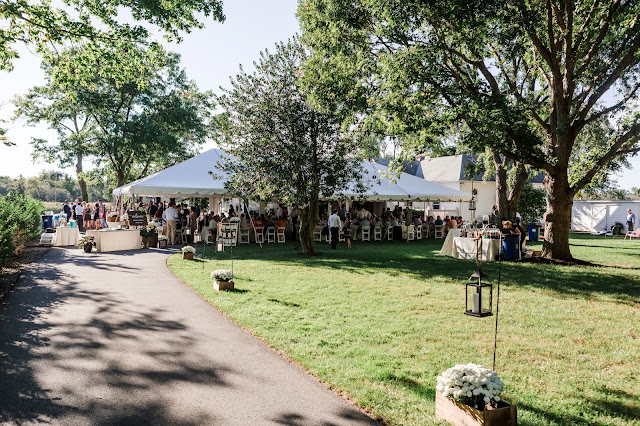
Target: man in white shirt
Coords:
[[334, 228], [79, 216], [170, 216]]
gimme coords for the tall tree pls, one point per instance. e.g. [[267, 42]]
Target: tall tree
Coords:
[[43, 24], [281, 147], [527, 78], [50, 104], [151, 121]]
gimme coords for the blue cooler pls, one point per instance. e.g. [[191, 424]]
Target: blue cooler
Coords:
[[47, 221], [534, 232], [511, 246]]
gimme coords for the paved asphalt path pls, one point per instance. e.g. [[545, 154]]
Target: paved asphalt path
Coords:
[[115, 338]]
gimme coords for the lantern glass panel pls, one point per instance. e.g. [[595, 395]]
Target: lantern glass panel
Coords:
[[478, 298]]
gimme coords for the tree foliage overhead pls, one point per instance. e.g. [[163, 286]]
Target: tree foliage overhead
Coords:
[[281, 147], [44, 24], [526, 78], [135, 126]]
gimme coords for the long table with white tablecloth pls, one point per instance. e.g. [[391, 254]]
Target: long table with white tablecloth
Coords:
[[66, 236], [116, 240], [466, 248]]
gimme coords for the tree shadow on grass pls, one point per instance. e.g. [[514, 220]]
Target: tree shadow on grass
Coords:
[[78, 369]]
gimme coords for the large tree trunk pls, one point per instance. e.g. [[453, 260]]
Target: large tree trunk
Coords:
[[81, 182], [308, 220], [121, 177], [557, 218], [507, 201]]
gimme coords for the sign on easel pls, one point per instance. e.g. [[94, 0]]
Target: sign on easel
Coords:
[[137, 218]]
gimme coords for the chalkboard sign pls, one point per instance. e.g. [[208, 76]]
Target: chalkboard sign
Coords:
[[137, 218]]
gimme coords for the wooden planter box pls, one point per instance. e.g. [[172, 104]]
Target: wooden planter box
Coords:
[[460, 414], [162, 243], [188, 256], [113, 219], [222, 285]]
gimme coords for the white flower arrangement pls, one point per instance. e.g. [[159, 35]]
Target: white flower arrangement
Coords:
[[124, 217], [163, 238], [112, 214], [188, 249], [222, 275], [471, 384], [154, 224]]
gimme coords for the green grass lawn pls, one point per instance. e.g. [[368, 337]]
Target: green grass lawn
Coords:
[[381, 321]]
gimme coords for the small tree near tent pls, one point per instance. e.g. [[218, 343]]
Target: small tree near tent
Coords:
[[280, 147]]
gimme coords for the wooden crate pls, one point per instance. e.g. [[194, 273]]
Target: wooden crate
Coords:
[[187, 255], [460, 414], [222, 285]]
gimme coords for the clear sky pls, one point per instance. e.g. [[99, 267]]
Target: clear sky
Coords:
[[210, 56]]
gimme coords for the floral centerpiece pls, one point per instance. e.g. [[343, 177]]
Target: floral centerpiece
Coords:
[[124, 217], [222, 279], [472, 392], [188, 252], [87, 243], [112, 216], [148, 231]]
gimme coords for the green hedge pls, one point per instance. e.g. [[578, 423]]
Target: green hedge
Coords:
[[19, 222]]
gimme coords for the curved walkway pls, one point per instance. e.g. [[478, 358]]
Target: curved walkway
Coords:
[[115, 338]]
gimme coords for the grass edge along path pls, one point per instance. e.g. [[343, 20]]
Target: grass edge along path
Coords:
[[380, 322]]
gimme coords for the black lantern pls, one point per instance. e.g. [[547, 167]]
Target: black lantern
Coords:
[[479, 296]]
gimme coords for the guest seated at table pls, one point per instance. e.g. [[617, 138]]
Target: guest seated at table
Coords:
[[459, 221], [280, 223], [394, 222], [510, 228], [439, 221], [417, 221]]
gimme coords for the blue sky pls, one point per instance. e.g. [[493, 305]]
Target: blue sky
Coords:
[[210, 56]]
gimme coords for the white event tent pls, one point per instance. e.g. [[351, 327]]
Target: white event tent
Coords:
[[191, 178]]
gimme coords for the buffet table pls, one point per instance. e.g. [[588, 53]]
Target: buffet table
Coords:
[[466, 248], [116, 240], [66, 236]]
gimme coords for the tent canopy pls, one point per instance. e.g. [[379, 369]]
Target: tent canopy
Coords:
[[191, 178], [404, 187]]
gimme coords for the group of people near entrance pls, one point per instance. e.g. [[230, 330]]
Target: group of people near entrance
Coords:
[[86, 215]]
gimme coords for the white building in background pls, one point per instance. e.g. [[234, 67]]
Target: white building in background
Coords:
[[600, 215], [450, 171]]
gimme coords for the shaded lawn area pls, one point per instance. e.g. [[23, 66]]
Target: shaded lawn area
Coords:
[[381, 321]]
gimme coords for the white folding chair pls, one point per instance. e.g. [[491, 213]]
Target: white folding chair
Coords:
[[317, 234], [411, 233], [244, 236], [366, 233], [341, 235], [280, 233], [419, 232], [183, 235], [377, 233], [354, 232], [439, 231], [260, 235], [271, 234], [389, 233]]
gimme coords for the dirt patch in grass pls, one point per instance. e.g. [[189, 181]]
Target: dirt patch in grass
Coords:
[[9, 274]]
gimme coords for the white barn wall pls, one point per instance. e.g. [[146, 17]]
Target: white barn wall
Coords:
[[598, 215]]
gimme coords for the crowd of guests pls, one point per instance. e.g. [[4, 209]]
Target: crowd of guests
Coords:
[[86, 215]]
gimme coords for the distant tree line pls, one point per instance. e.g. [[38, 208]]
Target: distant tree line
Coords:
[[53, 186]]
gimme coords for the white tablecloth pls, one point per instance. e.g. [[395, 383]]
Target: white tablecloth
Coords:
[[447, 246], [122, 239], [465, 248], [66, 236]]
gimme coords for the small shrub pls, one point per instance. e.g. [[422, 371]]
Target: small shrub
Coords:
[[19, 222]]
